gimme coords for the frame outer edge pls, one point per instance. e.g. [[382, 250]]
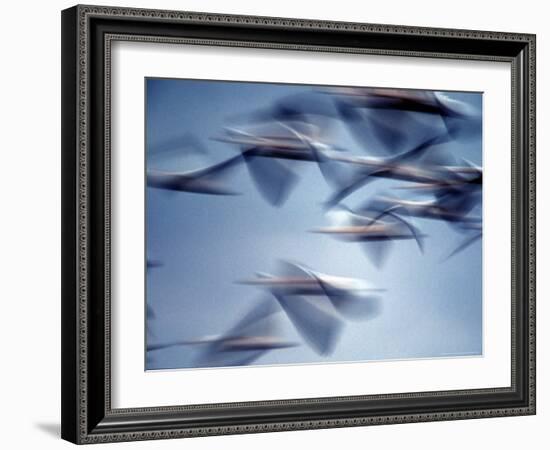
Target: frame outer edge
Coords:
[[69, 237], [82, 250]]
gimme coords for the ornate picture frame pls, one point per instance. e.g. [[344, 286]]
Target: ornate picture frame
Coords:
[[88, 415]]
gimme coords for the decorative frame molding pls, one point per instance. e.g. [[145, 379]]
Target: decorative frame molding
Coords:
[[88, 31]]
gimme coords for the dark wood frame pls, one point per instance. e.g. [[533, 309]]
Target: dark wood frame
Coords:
[[87, 32]]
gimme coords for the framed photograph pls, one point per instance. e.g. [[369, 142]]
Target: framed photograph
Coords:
[[279, 224]]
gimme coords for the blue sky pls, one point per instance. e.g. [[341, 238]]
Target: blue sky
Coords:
[[430, 308]]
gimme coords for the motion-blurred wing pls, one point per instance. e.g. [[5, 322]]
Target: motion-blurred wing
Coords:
[[464, 245], [259, 321], [396, 213], [293, 270], [377, 251], [273, 179], [359, 179], [155, 347], [337, 173], [297, 106], [218, 170], [150, 315], [254, 321], [357, 307], [464, 127], [300, 106], [441, 157], [361, 176], [209, 180], [420, 149], [458, 198], [356, 123], [388, 127], [349, 304], [317, 324], [165, 180]]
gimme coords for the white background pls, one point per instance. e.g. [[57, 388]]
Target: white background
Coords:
[[30, 187]]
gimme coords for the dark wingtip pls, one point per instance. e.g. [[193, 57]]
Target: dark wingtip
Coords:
[[463, 246]]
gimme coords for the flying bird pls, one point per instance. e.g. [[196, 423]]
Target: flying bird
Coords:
[[317, 303], [451, 209], [209, 180], [474, 231], [272, 152], [391, 115], [375, 232], [363, 169], [249, 339]]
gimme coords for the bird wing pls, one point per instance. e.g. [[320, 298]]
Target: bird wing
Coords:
[[464, 245], [358, 180], [318, 324], [357, 307], [377, 251], [420, 149], [396, 212], [258, 321], [263, 310], [273, 179], [294, 270], [217, 169], [347, 303]]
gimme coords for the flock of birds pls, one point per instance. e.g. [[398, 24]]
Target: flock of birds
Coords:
[[412, 131]]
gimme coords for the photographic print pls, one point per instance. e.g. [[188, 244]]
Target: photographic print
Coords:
[[309, 224], [300, 200]]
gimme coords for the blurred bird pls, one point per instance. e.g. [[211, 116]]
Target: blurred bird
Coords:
[[415, 100], [272, 150], [451, 209], [306, 107], [449, 179], [357, 171], [456, 191], [252, 337], [454, 204], [474, 231], [376, 231], [394, 116], [209, 180], [300, 292]]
